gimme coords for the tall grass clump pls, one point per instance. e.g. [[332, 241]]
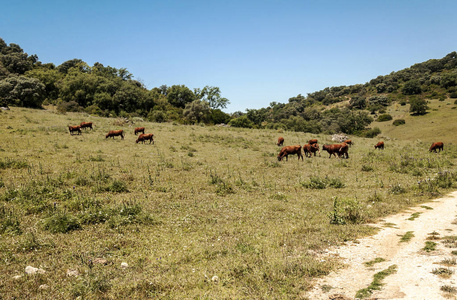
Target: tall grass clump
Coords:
[[315, 182], [347, 211], [60, 222]]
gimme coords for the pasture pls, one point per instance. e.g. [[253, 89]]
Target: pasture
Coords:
[[205, 212]]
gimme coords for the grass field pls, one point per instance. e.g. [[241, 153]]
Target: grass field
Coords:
[[205, 212], [438, 124]]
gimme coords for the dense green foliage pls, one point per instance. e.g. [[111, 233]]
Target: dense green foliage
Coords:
[[107, 91]]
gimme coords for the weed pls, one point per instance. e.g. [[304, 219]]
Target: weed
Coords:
[[346, 211], [397, 189], [13, 164], [448, 262], [366, 168], [376, 284], [407, 237], [374, 261], [414, 216], [443, 272], [450, 241], [426, 207], [429, 246], [433, 236], [60, 222], [316, 182], [448, 289]]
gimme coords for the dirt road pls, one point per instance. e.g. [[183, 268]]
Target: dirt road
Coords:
[[414, 278]]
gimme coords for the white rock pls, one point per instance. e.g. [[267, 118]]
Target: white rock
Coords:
[[17, 277], [124, 265], [32, 270], [43, 287], [215, 279], [72, 273]]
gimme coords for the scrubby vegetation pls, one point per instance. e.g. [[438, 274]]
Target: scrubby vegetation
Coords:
[[74, 86]]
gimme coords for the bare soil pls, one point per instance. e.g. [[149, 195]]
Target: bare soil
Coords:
[[414, 278]]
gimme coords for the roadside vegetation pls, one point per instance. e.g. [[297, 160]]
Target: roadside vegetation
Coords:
[[205, 212]]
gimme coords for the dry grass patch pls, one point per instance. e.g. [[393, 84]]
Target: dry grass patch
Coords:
[[201, 202]]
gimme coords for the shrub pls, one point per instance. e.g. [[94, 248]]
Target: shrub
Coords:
[[384, 117], [371, 133], [346, 211], [398, 122], [60, 222]]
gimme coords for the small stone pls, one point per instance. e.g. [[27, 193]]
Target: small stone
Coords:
[[215, 279], [124, 265], [73, 273], [43, 287], [101, 261], [17, 277], [32, 270]]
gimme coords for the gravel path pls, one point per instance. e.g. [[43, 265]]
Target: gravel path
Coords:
[[414, 278]]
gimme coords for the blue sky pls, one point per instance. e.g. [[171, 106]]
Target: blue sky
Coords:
[[256, 51]]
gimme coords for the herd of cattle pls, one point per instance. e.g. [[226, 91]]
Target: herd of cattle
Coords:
[[340, 149], [309, 149], [112, 133]]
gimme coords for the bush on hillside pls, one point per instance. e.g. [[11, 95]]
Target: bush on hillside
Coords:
[[371, 133], [398, 122], [384, 117]]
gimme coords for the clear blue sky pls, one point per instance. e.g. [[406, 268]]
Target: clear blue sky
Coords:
[[256, 52]]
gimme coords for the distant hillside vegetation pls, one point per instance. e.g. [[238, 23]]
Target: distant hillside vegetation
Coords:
[[107, 91]]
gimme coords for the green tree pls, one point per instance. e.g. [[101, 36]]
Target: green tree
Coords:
[[180, 95], [197, 111], [212, 95], [22, 91], [418, 106], [241, 121], [411, 87]]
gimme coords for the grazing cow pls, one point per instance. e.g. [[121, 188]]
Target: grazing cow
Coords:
[[349, 142], [379, 145], [311, 148], [312, 141], [114, 133], [144, 137], [435, 146], [86, 125], [139, 129], [280, 141], [337, 149], [344, 150], [76, 128], [285, 151]]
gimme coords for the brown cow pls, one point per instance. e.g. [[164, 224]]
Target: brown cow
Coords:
[[280, 141], [114, 133], [311, 148], [337, 149], [139, 129], [344, 150], [285, 151], [349, 142], [437, 145], [312, 141], [74, 128], [144, 137], [86, 125], [379, 145]]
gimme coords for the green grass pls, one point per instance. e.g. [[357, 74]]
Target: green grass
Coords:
[[414, 216], [374, 261], [407, 237], [376, 284], [429, 246], [229, 209]]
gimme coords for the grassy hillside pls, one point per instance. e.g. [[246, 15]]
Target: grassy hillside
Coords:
[[205, 212], [439, 124]]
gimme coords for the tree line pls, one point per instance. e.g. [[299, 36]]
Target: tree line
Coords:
[[111, 92]]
